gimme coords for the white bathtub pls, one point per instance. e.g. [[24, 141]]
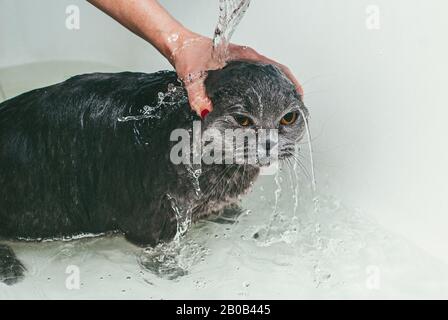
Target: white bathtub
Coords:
[[377, 97]]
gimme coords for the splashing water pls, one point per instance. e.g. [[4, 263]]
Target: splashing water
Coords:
[[183, 218], [172, 97], [174, 259], [195, 172], [283, 227], [277, 193], [312, 254], [230, 14]]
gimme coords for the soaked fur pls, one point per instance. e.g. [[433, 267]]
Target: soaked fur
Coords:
[[68, 165]]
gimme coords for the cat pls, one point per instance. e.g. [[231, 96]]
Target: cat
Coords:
[[93, 154]]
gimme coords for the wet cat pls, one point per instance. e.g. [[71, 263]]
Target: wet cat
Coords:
[[94, 154]]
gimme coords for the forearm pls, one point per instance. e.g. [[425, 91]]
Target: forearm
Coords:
[[149, 20]]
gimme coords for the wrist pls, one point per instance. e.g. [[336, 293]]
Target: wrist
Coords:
[[166, 35], [175, 41]]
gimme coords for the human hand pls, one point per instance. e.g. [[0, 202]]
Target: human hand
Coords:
[[194, 56], [190, 54]]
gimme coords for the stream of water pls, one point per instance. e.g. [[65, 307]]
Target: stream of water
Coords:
[[231, 12]]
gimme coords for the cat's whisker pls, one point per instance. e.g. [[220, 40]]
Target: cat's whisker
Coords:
[[221, 175], [228, 185], [301, 165]]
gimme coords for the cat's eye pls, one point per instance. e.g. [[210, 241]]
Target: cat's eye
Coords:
[[289, 118], [243, 121]]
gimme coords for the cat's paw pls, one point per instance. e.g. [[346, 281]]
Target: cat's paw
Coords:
[[11, 269], [229, 215]]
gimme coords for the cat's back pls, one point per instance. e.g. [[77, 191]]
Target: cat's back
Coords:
[[96, 96], [93, 107], [67, 149]]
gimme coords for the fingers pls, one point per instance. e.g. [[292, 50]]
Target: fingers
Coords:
[[244, 53], [247, 53], [197, 96]]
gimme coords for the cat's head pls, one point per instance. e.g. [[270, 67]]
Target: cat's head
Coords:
[[260, 99]]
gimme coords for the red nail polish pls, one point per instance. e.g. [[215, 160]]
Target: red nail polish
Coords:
[[204, 113]]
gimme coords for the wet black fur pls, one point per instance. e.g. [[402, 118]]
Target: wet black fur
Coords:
[[68, 166]]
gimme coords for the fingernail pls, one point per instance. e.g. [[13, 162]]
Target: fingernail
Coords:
[[204, 113]]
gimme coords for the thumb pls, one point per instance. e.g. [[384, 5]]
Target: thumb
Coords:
[[197, 96]]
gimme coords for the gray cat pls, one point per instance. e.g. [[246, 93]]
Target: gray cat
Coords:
[[93, 154]]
